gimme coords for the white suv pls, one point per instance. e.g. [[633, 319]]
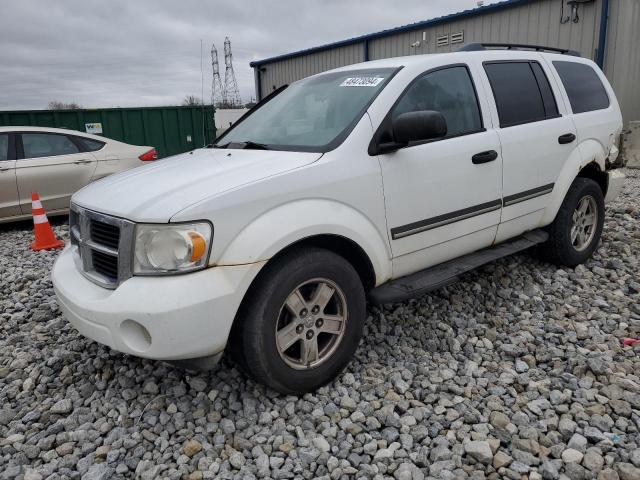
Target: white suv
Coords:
[[387, 178]]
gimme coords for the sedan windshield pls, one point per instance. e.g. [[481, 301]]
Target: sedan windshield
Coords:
[[315, 114]]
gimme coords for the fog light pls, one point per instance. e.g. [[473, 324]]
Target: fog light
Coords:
[[135, 336]]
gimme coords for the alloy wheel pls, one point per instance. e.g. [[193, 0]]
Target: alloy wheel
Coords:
[[584, 222], [311, 323]]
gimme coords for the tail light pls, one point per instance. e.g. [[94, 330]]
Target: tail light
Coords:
[[149, 156]]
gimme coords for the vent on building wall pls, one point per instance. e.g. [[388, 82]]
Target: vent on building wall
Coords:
[[457, 37], [442, 40]]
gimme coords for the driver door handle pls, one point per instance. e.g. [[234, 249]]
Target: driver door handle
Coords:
[[82, 162], [4, 169], [484, 157]]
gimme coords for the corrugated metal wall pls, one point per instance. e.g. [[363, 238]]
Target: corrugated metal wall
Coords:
[[292, 69], [170, 130], [530, 23], [622, 59], [535, 22]]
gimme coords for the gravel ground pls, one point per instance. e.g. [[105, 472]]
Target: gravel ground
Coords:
[[515, 372]]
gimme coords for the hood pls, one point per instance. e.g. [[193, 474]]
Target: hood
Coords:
[[157, 191]]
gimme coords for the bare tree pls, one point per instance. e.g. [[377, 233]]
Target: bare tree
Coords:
[[56, 105], [191, 100]]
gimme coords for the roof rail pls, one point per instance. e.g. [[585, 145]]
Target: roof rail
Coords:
[[474, 47]]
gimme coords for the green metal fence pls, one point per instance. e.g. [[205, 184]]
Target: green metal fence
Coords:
[[170, 130]]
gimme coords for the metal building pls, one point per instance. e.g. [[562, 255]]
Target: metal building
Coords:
[[607, 31]]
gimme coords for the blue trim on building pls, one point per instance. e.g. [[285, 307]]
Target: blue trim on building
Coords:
[[494, 7], [602, 37]]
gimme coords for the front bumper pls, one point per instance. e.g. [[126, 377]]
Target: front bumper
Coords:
[[615, 182], [166, 318]]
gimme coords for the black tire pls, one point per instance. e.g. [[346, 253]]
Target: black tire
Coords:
[[560, 249], [254, 344]]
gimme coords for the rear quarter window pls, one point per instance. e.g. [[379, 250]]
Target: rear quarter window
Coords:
[[89, 144], [583, 85]]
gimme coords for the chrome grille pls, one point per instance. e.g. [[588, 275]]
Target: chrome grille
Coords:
[[106, 265], [105, 233], [104, 246]]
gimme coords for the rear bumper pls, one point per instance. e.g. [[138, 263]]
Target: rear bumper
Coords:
[[615, 182], [165, 318]]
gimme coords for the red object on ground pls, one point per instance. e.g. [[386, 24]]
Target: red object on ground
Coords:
[[628, 342], [45, 239]]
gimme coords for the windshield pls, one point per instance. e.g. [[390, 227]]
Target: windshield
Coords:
[[314, 114]]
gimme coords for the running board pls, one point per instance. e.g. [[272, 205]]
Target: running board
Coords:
[[446, 273]]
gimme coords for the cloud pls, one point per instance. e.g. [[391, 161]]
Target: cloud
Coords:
[[147, 52]]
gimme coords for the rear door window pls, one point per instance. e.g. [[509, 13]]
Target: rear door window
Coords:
[[548, 100], [584, 88], [37, 145], [4, 146], [519, 96]]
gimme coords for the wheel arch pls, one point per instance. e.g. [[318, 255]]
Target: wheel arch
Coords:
[[317, 222], [588, 161], [593, 171]]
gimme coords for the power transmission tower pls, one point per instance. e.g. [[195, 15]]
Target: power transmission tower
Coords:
[[232, 94], [217, 92]]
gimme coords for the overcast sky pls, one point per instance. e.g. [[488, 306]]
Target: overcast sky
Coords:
[[147, 52]]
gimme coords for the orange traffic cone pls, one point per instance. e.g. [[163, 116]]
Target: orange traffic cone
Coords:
[[45, 238]]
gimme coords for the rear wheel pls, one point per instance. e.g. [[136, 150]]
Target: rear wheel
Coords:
[[576, 230], [302, 322]]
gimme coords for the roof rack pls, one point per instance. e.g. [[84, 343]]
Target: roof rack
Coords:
[[474, 47]]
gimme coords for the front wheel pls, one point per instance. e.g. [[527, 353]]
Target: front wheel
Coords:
[[576, 230], [302, 322]]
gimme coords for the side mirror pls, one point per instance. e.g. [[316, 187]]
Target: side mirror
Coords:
[[418, 126]]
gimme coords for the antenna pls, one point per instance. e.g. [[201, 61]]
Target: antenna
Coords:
[[217, 91], [232, 94]]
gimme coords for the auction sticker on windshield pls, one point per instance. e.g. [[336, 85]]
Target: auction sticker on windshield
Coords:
[[361, 82]]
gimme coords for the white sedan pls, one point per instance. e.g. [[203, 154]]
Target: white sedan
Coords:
[[55, 163]]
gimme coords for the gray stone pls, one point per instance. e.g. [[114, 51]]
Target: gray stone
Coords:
[[566, 426], [262, 464], [498, 420], [627, 471], [571, 455], [577, 442], [480, 451], [321, 444], [408, 471], [61, 406], [548, 470], [237, 460], [98, 471], [593, 460]]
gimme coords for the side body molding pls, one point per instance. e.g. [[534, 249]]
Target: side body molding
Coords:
[[587, 152], [289, 223]]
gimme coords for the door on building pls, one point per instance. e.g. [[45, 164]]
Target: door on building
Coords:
[[9, 203], [536, 139], [443, 197], [52, 165]]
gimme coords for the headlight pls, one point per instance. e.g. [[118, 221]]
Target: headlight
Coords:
[[172, 248]]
